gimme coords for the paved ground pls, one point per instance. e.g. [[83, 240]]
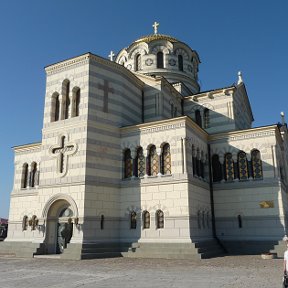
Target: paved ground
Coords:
[[229, 271]]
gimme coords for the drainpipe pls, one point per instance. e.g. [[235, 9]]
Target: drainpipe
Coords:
[[212, 201]]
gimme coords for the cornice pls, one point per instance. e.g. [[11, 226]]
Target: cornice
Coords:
[[210, 93], [27, 147], [163, 125], [60, 66], [245, 134], [89, 57]]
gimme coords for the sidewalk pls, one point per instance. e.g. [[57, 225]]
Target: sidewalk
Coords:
[[229, 271]]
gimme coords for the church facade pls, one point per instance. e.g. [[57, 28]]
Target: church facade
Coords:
[[135, 159]]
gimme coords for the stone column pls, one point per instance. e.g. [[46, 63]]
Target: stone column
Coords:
[[134, 166], [145, 153], [184, 155], [221, 160], [159, 153]]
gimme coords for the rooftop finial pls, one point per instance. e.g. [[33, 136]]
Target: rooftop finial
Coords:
[[111, 56], [282, 118], [240, 79], [155, 26]]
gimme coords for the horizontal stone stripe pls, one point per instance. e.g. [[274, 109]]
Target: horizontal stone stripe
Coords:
[[97, 142], [128, 112], [121, 114], [104, 167], [114, 97], [125, 76], [94, 180], [76, 75], [108, 156], [95, 76]]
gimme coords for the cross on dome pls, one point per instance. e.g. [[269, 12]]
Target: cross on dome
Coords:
[[155, 26], [111, 56]]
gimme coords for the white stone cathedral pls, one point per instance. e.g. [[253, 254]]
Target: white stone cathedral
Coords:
[[136, 161]]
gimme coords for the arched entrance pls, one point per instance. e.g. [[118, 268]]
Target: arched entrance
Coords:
[[59, 214]]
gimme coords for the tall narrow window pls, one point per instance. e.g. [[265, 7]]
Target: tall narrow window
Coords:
[[140, 162], [128, 164], [242, 166], [198, 118], [256, 164], [66, 99], [229, 167], [160, 60], [198, 161], [102, 222], [75, 102], [166, 160], [239, 218], [133, 220], [55, 108], [25, 223], [25, 172], [206, 118], [33, 174], [199, 219], [138, 62], [159, 219], [194, 160], [146, 220], [216, 168], [180, 62], [153, 162]]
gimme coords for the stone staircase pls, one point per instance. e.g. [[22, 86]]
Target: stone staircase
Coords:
[[279, 249], [195, 251]]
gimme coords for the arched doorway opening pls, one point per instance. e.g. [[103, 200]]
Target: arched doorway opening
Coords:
[[59, 224]]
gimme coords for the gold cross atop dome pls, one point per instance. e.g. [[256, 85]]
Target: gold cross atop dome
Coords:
[[155, 26]]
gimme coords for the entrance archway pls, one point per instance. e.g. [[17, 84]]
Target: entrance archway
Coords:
[[59, 213]]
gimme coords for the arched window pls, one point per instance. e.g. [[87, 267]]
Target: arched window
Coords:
[[198, 118], [34, 222], [25, 223], [102, 222], [206, 118], [140, 161], [128, 164], [159, 219], [153, 162], [55, 109], [133, 220], [146, 220], [229, 167], [216, 168], [138, 62], [256, 164], [180, 62], [239, 218], [160, 60], [75, 102], [25, 172], [66, 99], [242, 166], [33, 174], [166, 160]]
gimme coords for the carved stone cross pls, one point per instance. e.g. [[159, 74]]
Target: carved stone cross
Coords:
[[106, 90], [62, 151], [155, 26], [111, 56]]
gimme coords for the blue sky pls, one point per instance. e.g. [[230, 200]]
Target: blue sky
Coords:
[[229, 36]]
